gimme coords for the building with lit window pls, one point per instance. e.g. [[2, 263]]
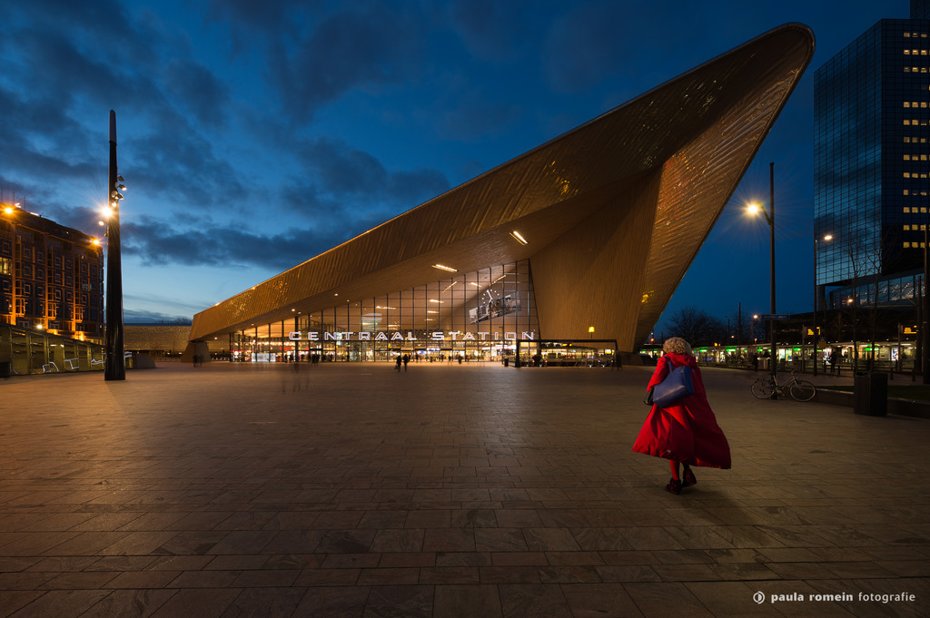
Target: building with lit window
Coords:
[[51, 293], [871, 167], [582, 239]]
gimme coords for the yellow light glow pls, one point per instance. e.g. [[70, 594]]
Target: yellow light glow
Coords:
[[448, 269], [95, 242], [518, 237], [8, 210], [435, 300], [828, 237], [753, 209], [590, 329], [39, 327]]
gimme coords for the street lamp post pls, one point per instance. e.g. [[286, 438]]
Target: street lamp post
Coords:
[[826, 238], [114, 368], [769, 215]]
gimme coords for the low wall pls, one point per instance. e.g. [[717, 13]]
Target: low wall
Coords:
[[901, 407]]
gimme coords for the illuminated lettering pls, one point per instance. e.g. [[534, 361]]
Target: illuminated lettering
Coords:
[[436, 335]]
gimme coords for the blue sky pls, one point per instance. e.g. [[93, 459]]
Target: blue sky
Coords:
[[254, 135]]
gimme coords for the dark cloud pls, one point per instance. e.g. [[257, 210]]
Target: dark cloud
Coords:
[[497, 31], [177, 164], [588, 42], [365, 47], [271, 17], [170, 101], [196, 88], [137, 316], [607, 41], [352, 184], [157, 243], [40, 139]]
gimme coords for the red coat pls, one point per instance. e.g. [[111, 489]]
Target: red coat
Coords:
[[687, 431]]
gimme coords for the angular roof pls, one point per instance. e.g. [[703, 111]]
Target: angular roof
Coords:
[[615, 209]]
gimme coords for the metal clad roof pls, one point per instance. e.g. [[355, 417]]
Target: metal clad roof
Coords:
[[698, 131]]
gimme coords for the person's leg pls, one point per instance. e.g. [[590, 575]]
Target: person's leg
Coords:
[[674, 483], [674, 465], [688, 477]]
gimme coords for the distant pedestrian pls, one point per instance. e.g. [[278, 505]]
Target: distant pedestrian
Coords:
[[755, 362], [406, 360], [397, 362], [686, 431]]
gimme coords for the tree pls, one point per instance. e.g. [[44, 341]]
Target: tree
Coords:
[[697, 327]]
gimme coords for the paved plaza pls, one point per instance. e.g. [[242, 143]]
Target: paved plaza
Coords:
[[448, 490]]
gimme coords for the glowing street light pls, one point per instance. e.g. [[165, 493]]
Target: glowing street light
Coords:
[[826, 238], [753, 209]]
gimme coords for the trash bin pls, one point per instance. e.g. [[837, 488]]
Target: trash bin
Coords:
[[6, 369], [871, 393]]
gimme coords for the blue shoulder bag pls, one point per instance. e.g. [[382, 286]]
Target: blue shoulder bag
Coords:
[[677, 384]]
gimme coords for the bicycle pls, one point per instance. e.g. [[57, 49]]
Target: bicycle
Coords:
[[799, 390]]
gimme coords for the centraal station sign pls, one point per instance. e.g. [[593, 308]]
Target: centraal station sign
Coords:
[[436, 335]]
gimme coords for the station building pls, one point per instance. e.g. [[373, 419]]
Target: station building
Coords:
[[575, 245]]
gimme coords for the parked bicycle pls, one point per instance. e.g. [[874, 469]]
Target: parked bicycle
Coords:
[[799, 390]]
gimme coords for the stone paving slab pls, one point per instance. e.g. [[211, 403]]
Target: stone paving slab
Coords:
[[472, 490]]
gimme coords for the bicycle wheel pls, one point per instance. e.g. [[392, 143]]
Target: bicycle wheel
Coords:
[[802, 390], [763, 388]]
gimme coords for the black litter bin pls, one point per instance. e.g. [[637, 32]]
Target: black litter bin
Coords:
[[871, 393], [6, 369]]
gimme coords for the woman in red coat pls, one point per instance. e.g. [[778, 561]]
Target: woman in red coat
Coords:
[[687, 431]]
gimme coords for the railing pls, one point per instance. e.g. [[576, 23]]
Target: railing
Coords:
[[846, 368]]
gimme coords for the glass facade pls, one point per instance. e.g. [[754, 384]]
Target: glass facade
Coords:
[[882, 291], [847, 159], [871, 151], [478, 315]]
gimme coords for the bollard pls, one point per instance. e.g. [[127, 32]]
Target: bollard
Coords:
[[871, 393]]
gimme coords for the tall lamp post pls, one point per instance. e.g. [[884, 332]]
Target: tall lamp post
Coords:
[[754, 209], [114, 368], [826, 238]]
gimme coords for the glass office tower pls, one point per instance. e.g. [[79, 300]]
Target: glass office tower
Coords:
[[871, 126]]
